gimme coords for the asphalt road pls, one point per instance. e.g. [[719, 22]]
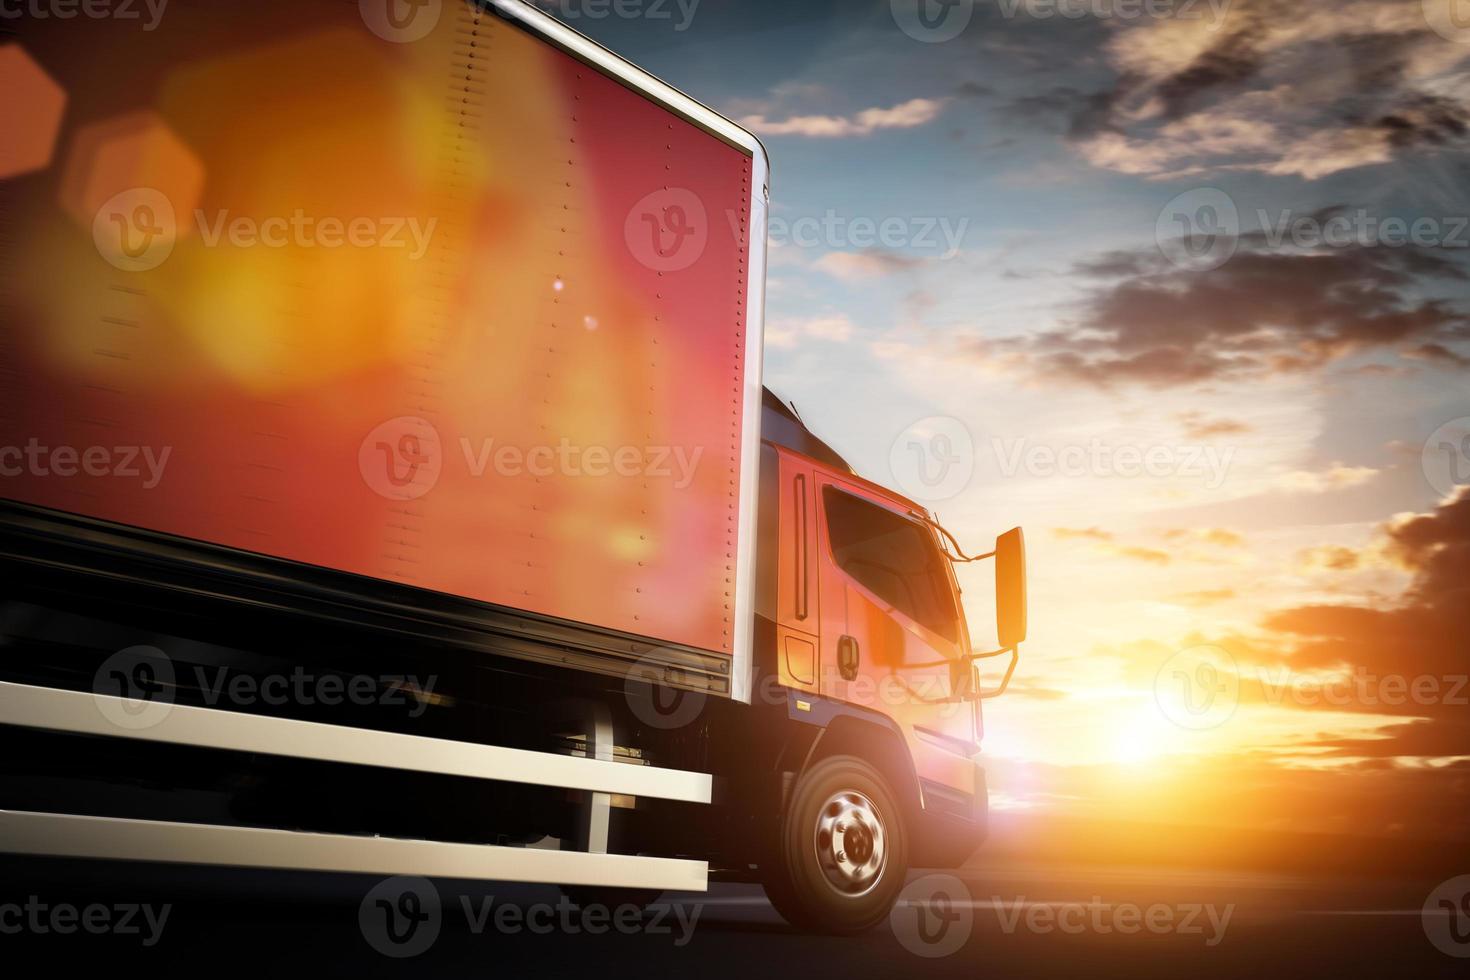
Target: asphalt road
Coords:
[[1056, 922]]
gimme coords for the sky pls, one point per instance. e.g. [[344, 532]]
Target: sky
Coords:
[[1181, 288]]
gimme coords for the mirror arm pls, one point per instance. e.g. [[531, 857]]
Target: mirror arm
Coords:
[[1005, 682], [967, 658], [987, 656], [958, 555]]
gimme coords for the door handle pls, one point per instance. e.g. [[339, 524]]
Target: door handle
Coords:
[[847, 658]]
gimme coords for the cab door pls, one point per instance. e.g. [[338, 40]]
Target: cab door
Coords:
[[797, 609], [892, 633]]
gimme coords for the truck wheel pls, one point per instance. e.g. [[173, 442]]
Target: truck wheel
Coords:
[[842, 849]]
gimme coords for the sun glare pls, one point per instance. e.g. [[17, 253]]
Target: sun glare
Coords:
[[1138, 738]]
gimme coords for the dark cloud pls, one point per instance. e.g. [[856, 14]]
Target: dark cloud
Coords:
[[1263, 313], [1228, 65], [1437, 353], [1311, 91], [1422, 119], [1444, 738], [1422, 640], [1437, 547], [1380, 92]]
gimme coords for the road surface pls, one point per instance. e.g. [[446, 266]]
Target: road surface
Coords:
[[1011, 923]]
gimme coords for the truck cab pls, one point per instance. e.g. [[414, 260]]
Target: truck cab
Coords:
[[863, 644]]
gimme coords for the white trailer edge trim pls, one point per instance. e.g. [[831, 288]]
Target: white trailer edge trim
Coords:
[[83, 714], [111, 838], [743, 670], [743, 635]]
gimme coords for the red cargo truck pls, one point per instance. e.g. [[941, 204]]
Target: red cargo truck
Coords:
[[382, 411]]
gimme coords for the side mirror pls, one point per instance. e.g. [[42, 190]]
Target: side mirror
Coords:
[[1010, 589]]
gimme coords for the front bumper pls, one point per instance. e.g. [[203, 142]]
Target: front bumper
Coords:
[[952, 825]]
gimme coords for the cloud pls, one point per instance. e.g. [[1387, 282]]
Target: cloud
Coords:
[[1332, 558], [1438, 739], [1437, 547], [1405, 656], [906, 115], [1329, 87], [1105, 542], [1422, 637], [1335, 477], [1197, 426], [1152, 556], [1437, 354], [1264, 313], [789, 332], [1217, 536], [1084, 533], [868, 264]]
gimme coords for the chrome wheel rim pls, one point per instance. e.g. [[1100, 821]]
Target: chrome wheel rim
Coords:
[[851, 843]]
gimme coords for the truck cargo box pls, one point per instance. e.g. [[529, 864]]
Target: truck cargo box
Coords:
[[438, 300]]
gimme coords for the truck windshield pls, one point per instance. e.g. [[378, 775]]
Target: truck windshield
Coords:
[[894, 558]]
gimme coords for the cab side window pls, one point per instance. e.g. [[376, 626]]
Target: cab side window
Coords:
[[892, 557]]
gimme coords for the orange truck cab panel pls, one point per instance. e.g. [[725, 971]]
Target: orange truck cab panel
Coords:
[[868, 623]]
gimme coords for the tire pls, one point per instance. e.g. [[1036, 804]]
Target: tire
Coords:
[[840, 805]]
